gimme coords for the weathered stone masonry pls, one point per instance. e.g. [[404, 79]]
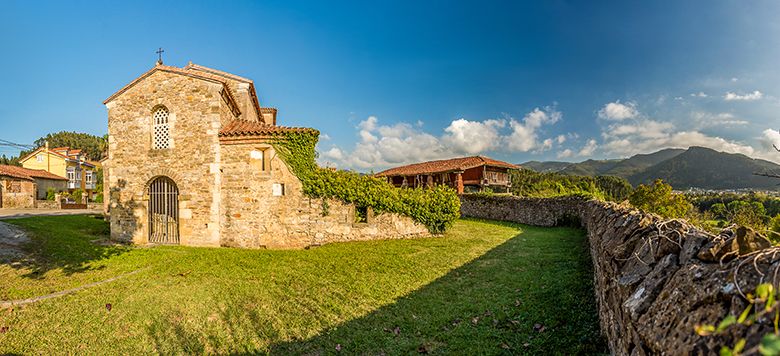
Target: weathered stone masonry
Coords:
[[656, 279], [219, 157]]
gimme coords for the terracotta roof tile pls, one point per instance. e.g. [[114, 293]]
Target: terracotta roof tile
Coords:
[[446, 165], [252, 128], [28, 174]]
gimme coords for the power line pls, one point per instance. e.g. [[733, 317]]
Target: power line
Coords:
[[6, 143]]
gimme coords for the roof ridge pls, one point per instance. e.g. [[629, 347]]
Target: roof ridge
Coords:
[[198, 67], [170, 69]]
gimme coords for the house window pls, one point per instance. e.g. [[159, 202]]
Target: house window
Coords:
[[161, 131], [88, 177], [71, 175], [278, 189], [39, 157], [259, 159]]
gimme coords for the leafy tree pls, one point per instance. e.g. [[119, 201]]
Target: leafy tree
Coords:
[[10, 161], [94, 147], [658, 198], [718, 210], [750, 214]]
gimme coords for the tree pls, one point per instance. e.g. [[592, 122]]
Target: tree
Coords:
[[718, 210], [752, 214], [658, 198], [94, 147]]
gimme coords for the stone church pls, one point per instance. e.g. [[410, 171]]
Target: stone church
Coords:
[[190, 162]]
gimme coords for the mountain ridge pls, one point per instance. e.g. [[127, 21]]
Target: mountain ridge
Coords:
[[695, 167]]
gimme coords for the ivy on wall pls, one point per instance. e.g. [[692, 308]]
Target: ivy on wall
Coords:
[[436, 208]]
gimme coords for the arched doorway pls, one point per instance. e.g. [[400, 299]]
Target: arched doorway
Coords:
[[163, 211]]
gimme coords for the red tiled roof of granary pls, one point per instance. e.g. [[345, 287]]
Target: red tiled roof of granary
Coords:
[[445, 165], [26, 173], [252, 128]]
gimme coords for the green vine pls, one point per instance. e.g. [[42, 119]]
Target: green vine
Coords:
[[763, 305], [436, 208]]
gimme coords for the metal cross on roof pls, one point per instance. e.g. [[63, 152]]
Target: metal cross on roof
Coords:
[[159, 55]]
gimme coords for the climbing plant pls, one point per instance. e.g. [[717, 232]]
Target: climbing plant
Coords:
[[436, 208], [763, 304]]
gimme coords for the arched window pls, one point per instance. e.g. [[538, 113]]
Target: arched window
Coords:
[[161, 131]]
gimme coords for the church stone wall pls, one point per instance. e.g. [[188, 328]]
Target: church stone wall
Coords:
[[195, 108], [253, 217], [226, 190]]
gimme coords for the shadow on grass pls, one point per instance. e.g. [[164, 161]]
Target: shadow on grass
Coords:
[[70, 243], [532, 294]]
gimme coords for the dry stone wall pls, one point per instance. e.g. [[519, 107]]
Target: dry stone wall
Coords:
[[656, 279]]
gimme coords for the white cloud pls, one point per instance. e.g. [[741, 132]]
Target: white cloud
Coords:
[[705, 119], [381, 146], [633, 144], [565, 153], [618, 111], [324, 137], [734, 79], [589, 148], [524, 136], [471, 137], [756, 95], [699, 95], [334, 153], [771, 140]]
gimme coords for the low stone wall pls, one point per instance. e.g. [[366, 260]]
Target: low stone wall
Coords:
[[309, 223], [656, 279], [531, 211], [47, 204]]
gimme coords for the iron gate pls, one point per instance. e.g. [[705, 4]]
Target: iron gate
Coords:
[[163, 211]]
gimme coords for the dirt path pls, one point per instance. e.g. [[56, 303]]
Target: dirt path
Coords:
[[12, 239], [11, 303]]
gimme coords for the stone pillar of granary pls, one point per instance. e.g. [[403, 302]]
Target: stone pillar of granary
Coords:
[[459, 182]]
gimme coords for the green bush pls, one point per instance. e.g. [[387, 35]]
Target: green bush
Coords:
[[436, 208], [774, 224], [658, 198], [51, 193], [76, 195]]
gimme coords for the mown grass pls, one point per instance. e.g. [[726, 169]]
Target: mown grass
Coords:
[[479, 289]]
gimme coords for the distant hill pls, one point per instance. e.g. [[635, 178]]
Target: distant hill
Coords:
[[544, 167], [695, 167], [706, 168]]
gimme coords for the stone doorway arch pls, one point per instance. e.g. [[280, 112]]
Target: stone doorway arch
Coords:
[[163, 211]]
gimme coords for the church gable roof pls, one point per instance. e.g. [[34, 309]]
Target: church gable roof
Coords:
[[253, 94], [181, 71]]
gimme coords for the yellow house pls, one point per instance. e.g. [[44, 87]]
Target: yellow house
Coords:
[[65, 162]]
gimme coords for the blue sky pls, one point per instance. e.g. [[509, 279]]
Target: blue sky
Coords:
[[390, 82]]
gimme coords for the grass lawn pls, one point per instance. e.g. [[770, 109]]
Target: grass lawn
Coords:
[[482, 288]]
